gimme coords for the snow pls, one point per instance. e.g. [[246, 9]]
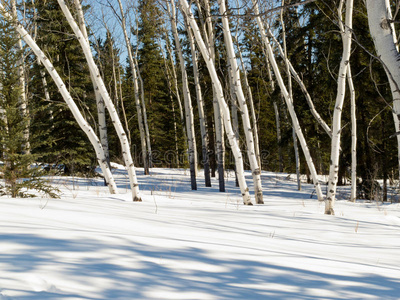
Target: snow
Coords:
[[183, 244]]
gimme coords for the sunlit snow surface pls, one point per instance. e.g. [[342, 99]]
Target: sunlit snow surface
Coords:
[[183, 244]]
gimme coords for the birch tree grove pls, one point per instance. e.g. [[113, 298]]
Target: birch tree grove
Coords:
[[289, 103], [221, 101], [126, 152], [68, 99]]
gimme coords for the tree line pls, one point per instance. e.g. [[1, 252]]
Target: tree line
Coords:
[[305, 87]]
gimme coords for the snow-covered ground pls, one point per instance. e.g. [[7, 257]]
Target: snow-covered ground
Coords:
[[182, 244]]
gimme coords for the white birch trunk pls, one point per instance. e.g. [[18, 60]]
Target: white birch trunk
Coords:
[[126, 152], [255, 168], [101, 112], [221, 100], [337, 114], [200, 107], [187, 100], [292, 112], [208, 32], [23, 107], [136, 91], [70, 102], [383, 34], [353, 194]]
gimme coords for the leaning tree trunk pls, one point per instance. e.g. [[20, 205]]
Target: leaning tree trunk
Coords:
[[200, 107], [126, 152], [221, 100], [337, 114], [289, 104], [255, 168], [187, 100], [383, 33], [101, 111], [101, 158], [136, 92], [208, 32]]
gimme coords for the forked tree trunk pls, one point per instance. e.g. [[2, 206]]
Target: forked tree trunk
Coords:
[[187, 99], [295, 121], [221, 100], [383, 33], [200, 107], [126, 152], [337, 114], [255, 168], [68, 99]]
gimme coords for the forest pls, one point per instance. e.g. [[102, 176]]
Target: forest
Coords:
[[304, 87]]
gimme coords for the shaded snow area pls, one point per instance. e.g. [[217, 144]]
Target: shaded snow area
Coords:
[[182, 244]]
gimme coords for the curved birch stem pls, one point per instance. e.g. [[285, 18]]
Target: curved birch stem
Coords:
[[126, 152], [295, 121], [337, 114], [68, 99], [255, 168], [221, 100]]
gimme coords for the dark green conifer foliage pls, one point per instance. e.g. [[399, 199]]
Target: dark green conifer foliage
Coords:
[[19, 170]]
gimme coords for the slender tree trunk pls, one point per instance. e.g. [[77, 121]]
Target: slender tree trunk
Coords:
[[221, 100], [23, 106], [292, 112], [136, 92], [68, 99], [126, 152], [200, 106], [209, 37], [101, 110], [278, 135], [255, 168], [337, 114], [353, 195], [296, 149], [187, 100], [383, 33]]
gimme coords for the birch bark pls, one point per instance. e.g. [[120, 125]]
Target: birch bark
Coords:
[[221, 100], [337, 114], [101, 112], [187, 99], [383, 33], [126, 152], [136, 91], [292, 112], [255, 168], [200, 107], [68, 99]]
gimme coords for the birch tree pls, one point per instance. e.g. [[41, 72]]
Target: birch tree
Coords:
[[221, 101], [255, 168], [337, 114], [126, 152], [381, 26], [101, 158], [200, 107], [140, 117]]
